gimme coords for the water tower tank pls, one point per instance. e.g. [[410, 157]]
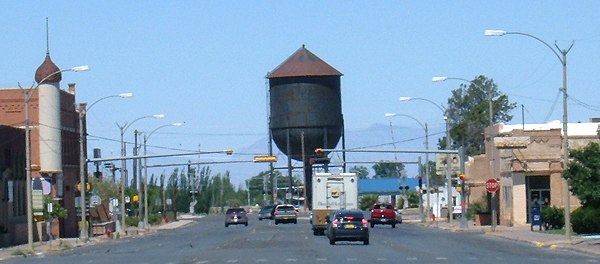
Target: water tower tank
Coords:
[[305, 98]]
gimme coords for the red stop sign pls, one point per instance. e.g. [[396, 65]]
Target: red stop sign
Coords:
[[492, 185]]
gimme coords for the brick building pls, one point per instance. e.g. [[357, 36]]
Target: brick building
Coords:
[[55, 151], [529, 168]]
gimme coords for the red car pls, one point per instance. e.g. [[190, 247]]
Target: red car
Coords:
[[383, 214]]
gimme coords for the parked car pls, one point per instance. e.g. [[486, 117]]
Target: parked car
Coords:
[[266, 212], [384, 214], [236, 216], [285, 213], [347, 225]]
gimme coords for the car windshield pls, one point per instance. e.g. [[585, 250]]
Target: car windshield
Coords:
[[235, 210], [286, 208]]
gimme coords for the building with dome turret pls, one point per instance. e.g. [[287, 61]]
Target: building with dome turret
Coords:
[[54, 152]]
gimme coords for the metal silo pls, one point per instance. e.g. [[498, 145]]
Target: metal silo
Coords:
[[305, 101]]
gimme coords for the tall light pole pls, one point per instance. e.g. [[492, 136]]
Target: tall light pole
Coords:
[[146, 137], [448, 142], [492, 134], [82, 111], [123, 169], [561, 54], [27, 95], [427, 172]]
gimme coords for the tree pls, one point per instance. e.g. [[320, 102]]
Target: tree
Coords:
[[361, 171], [583, 174], [388, 170], [468, 113], [435, 180]]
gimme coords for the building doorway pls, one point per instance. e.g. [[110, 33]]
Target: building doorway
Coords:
[[538, 193]]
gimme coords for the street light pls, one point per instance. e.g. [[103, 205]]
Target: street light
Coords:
[[448, 142], [492, 132], [82, 158], [146, 137], [427, 172], [561, 54], [123, 169], [29, 193]]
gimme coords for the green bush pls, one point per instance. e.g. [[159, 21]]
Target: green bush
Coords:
[[476, 208], [154, 219], [132, 221], [553, 217], [586, 220], [367, 201]]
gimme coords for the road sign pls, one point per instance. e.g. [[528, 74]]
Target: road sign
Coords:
[[492, 185]]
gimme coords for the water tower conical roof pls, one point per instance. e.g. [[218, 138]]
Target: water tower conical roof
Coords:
[[303, 63]]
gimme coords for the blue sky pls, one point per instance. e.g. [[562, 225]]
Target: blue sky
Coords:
[[204, 62]]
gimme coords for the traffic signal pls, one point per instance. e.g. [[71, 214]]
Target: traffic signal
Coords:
[[319, 160], [265, 159], [420, 182]]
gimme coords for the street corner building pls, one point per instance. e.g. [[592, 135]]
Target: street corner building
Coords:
[[54, 155], [527, 161]]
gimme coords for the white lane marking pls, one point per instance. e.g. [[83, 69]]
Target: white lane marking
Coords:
[[412, 259], [232, 261], [262, 260], [351, 259], [321, 259], [381, 259], [441, 258], [290, 260]]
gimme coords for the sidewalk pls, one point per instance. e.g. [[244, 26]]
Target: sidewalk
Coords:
[[61, 244], [585, 244]]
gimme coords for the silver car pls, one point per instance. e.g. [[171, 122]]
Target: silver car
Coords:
[[285, 213]]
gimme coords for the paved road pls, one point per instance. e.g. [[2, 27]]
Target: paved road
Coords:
[[208, 241]]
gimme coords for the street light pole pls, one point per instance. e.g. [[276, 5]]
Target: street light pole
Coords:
[[561, 54], [448, 142], [123, 169], [27, 94], [492, 134], [82, 111], [146, 137], [427, 172]]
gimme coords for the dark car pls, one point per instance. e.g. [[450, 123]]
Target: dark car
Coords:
[[347, 225], [266, 212], [236, 216], [285, 213]]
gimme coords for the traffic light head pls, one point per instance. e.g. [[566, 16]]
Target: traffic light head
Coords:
[[420, 178], [320, 160]]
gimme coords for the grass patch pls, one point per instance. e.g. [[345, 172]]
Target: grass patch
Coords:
[[19, 252]]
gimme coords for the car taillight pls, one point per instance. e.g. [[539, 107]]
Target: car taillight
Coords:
[[334, 223], [296, 212], [364, 222], [275, 213], [350, 218]]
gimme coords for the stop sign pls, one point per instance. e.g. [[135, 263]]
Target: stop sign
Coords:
[[492, 185]]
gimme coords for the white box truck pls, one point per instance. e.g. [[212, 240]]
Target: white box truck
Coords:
[[332, 192]]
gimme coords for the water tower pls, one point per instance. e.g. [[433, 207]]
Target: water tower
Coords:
[[305, 109]]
